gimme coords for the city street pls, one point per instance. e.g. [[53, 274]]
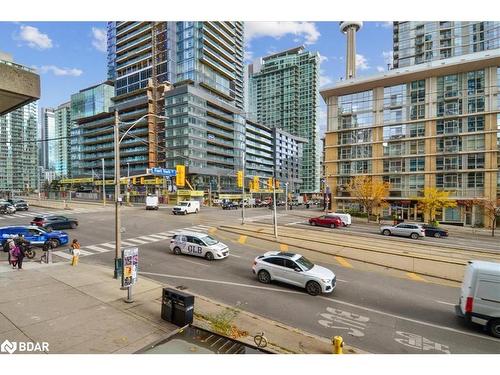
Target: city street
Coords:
[[376, 309]]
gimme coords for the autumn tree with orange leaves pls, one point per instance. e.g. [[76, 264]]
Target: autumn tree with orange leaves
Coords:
[[368, 192]]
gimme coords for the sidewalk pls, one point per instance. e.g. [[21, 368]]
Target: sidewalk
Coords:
[[81, 310]]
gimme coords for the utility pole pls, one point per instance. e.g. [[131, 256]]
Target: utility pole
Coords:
[[243, 189], [103, 185], [118, 237], [275, 219], [286, 196], [128, 184]]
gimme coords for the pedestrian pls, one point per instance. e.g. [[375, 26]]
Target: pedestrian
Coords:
[[120, 200], [12, 251], [21, 244], [75, 250]]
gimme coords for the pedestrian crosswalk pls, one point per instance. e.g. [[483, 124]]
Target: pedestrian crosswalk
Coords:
[[127, 242], [32, 214]]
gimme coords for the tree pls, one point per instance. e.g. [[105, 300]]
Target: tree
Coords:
[[369, 192], [492, 210], [433, 200]]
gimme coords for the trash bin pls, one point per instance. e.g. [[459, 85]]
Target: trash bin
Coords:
[[177, 307]]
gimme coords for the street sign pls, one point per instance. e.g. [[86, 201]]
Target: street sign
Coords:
[[130, 257], [163, 172]]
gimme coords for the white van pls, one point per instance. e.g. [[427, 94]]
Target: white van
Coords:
[[346, 218], [186, 207], [151, 202], [480, 295]]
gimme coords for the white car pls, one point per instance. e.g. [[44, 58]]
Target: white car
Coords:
[[294, 269], [198, 244]]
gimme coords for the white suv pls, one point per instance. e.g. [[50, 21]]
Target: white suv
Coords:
[[413, 231], [294, 269], [198, 244]]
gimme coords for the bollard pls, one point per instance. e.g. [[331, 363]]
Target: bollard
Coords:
[[338, 344]]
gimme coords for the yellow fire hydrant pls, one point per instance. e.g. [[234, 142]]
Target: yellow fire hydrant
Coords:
[[338, 344]]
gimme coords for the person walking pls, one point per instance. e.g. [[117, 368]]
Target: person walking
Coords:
[[75, 250], [13, 252], [22, 244]]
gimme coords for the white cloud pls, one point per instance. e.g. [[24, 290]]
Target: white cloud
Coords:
[[34, 37], [386, 24], [99, 40], [72, 72], [276, 29], [361, 62], [388, 56], [324, 79], [380, 68], [322, 59], [248, 56]]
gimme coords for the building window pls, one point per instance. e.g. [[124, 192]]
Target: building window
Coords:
[[475, 180]]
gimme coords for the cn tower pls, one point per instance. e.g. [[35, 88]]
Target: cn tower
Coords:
[[350, 28]]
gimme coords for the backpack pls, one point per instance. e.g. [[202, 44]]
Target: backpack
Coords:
[[6, 247]]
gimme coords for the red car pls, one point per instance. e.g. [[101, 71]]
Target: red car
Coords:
[[326, 221]]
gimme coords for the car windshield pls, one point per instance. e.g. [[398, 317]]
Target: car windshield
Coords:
[[305, 263], [183, 204], [209, 240]]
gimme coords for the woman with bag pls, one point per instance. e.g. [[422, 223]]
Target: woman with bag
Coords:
[[14, 253], [75, 250]]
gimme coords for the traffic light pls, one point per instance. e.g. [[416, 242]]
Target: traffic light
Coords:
[[239, 179], [134, 180], [250, 185], [180, 177], [270, 183], [256, 183], [277, 183], [142, 180]]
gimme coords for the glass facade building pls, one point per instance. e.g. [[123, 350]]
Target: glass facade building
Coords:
[[18, 150], [283, 93], [62, 153], [415, 128], [417, 42]]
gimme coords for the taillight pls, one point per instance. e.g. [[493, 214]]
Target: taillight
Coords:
[[468, 304]]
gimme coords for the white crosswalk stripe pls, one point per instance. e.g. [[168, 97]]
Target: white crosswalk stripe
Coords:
[[140, 240]]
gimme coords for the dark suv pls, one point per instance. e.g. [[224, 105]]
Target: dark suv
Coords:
[[19, 204], [51, 222]]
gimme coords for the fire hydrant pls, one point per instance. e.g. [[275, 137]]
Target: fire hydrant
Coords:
[[338, 344]]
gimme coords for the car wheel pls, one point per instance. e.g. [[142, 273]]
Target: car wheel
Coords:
[[196, 211], [264, 277], [209, 256], [55, 243], [386, 232], [177, 251], [313, 288], [49, 228], [333, 226], [494, 327], [414, 236], [313, 223], [73, 225], [437, 235]]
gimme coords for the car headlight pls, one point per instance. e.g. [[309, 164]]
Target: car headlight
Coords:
[[326, 281]]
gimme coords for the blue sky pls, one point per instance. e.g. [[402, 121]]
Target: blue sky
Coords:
[[71, 55]]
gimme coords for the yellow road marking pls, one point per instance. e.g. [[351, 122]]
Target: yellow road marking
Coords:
[[212, 230], [343, 262], [242, 239], [415, 277], [283, 247]]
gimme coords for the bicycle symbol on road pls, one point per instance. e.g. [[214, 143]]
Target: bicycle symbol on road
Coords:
[[354, 324], [420, 343]]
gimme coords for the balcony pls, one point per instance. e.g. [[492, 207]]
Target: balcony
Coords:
[[120, 42], [18, 86]]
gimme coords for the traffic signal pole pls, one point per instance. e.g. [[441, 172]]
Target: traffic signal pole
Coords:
[[118, 234], [243, 189]]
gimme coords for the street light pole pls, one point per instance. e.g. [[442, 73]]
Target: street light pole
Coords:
[[103, 185], [275, 219], [118, 237], [128, 184], [243, 189], [286, 196]]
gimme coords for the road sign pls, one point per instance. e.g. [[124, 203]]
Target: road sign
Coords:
[[130, 258], [163, 172]]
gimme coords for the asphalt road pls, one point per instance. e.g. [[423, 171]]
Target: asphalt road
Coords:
[[374, 309]]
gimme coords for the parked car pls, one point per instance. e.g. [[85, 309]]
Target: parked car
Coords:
[[229, 206], [413, 231], [294, 269], [51, 222], [479, 300], [326, 221], [198, 244], [36, 235], [437, 232], [19, 204]]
